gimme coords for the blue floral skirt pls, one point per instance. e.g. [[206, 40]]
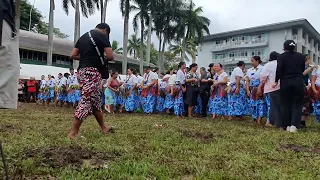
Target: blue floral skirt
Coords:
[[168, 102], [218, 105], [268, 103], [130, 102], [62, 97], [258, 107], [316, 110], [42, 96], [74, 96], [50, 94], [178, 106], [237, 103], [148, 103]]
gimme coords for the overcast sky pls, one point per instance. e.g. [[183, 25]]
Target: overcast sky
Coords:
[[225, 15]]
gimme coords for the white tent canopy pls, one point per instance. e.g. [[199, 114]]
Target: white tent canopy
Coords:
[[36, 71]]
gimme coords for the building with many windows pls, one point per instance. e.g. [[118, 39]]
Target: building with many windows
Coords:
[[230, 47], [33, 50]]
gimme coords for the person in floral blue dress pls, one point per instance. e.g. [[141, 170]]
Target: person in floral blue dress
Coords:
[[42, 90], [149, 91], [218, 103], [179, 91], [169, 90], [257, 102], [130, 103], [74, 94], [51, 87], [236, 93], [61, 89], [162, 92]]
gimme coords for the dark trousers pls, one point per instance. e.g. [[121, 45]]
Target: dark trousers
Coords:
[[204, 95], [275, 105], [292, 92], [33, 94]]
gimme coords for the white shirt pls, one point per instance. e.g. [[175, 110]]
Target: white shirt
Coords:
[[237, 72], [181, 76], [140, 79], [132, 80], [51, 83], [147, 78], [268, 74], [163, 84], [73, 80], [172, 80], [316, 72], [221, 77], [254, 73], [61, 82], [43, 83]]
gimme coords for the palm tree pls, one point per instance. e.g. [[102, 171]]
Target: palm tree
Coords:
[[115, 47], [133, 46], [87, 8], [195, 25], [50, 33], [142, 7], [166, 22], [190, 49], [125, 9], [102, 5]]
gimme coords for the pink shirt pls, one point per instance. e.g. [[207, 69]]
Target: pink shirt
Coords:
[[268, 74]]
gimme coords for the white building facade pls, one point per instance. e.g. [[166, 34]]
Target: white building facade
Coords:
[[230, 47]]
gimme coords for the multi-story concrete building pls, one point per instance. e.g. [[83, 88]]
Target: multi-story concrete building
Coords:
[[230, 47]]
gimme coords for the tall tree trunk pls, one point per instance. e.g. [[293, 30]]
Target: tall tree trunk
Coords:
[[149, 40], [103, 4], [161, 67], [183, 50], [50, 33], [159, 49], [141, 46], [76, 30], [17, 18], [125, 38]]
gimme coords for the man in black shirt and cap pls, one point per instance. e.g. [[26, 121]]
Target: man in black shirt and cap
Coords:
[[9, 56], [90, 50]]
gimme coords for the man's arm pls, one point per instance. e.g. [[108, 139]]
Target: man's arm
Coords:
[[279, 69], [75, 54]]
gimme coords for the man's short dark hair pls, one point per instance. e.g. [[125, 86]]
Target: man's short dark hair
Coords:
[[103, 26]]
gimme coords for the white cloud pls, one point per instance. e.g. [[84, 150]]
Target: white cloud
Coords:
[[224, 15]]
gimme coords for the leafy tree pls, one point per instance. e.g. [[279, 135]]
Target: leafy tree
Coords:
[[189, 49], [115, 47], [37, 25]]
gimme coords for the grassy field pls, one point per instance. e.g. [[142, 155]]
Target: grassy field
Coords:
[[36, 147]]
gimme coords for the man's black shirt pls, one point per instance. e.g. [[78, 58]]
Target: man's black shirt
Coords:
[[290, 65], [88, 54]]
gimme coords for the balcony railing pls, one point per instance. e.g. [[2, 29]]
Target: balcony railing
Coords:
[[242, 44]]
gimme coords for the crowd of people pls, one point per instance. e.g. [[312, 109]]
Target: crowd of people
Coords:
[[278, 92], [185, 92]]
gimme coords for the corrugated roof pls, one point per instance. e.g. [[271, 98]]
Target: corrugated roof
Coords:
[[39, 42], [269, 27]]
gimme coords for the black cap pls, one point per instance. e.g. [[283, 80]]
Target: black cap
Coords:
[[211, 65], [240, 63], [104, 26], [289, 44]]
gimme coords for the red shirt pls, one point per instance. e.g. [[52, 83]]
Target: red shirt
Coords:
[[32, 86]]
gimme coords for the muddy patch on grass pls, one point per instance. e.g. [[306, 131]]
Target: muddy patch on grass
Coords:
[[297, 148], [76, 157], [9, 129], [203, 137]]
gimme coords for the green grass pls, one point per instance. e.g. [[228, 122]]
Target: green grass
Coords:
[[180, 149]]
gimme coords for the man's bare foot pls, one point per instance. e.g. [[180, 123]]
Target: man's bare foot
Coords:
[[107, 130], [214, 117], [72, 135]]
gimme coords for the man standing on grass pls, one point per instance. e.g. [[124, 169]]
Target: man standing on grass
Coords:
[[9, 56], [89, 50]]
